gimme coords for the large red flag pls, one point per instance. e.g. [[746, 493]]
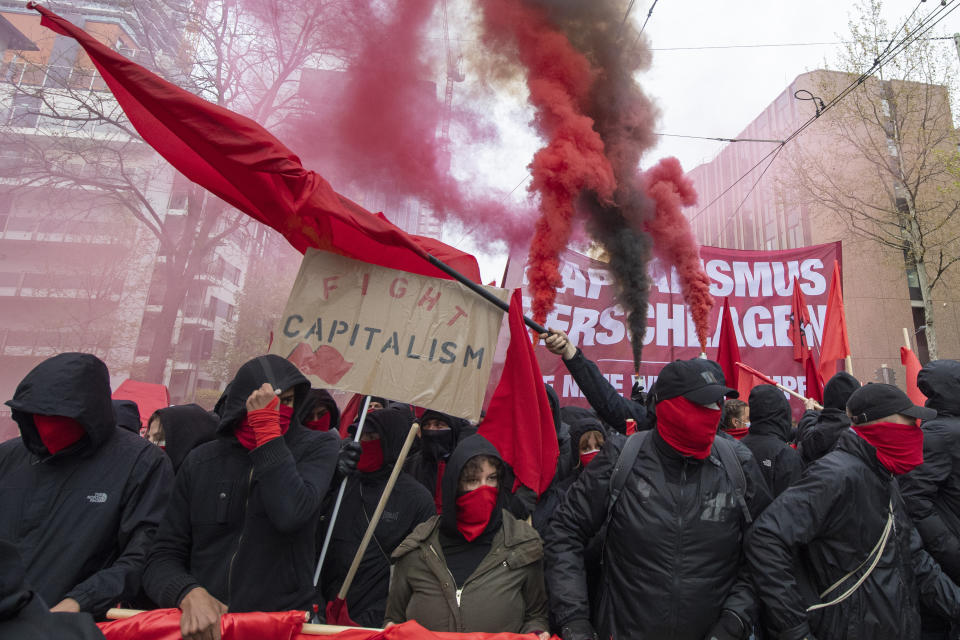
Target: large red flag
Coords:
[[242, 163], [148, 396], [835, 345], [518, 421], [748, 378], [728, 351], [802, 350], [909, 359]]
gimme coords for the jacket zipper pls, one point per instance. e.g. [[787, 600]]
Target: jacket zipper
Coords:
[[676, 554], [233, 558]]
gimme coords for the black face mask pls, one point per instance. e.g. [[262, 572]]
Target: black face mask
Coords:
[[437, 443]]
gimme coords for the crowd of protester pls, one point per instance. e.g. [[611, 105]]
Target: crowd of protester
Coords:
[[683, 512]]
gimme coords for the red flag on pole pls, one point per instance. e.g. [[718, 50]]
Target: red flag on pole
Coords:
[[748, 378], [835, 344], [909, 359], [518, 421], [239, 161], [802, 350], [728, 351]]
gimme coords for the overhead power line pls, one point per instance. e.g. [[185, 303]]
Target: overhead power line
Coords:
[[771, 45]]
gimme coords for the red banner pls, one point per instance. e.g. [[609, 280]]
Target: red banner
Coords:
[[758, 283]]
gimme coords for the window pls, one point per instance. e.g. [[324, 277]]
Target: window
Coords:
[[25, 111]]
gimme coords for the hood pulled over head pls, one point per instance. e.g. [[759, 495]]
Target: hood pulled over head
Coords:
[[277, 371]]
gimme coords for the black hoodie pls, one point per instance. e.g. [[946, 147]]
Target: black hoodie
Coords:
[[931, 492], [320, 397], [25, 616], [128, 415], [818, 431], [82, 519], [409, 504], [435, 448], [770, 432], [242, 524], [185, 427]]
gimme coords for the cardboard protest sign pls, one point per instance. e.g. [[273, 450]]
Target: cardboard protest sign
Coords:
[[760, 287], [360, 327]]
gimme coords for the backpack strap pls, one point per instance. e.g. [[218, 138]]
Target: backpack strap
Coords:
[[731, 464], [628, 455]]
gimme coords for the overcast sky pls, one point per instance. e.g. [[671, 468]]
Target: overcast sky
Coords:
[[701, 92]]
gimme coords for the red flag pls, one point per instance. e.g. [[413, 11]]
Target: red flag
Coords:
[[909, 359], [148, 396], [814, 379], [337, 613], [835, 344], [242, 163], [799, 320], [728, 351], [518, 421], [748, 378], [164, 624]]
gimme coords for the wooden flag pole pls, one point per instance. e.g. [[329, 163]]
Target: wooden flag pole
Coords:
[[848, 361], [906, 339], [308, 629]]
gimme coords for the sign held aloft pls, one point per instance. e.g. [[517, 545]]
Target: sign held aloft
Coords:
[[359, 327]]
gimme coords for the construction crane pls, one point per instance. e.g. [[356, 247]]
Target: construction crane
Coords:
[[454, 74]]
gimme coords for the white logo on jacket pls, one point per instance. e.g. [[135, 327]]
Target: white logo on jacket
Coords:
[[98, 497]]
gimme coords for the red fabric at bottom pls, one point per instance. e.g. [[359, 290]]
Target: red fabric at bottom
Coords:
[[164, 624], [337, 613]]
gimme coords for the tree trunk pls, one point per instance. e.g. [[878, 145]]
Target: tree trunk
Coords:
[[164, 324], [927, 296]]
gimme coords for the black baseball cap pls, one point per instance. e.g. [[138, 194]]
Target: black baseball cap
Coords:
[[874, 401], [698, 380]]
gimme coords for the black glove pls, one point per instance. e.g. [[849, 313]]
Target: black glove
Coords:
[[728, 626], [348, 458], [578, 630]]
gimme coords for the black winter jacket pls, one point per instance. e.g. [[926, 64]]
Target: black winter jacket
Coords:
[[612, 407], [242, 524], [672, 556], [833, 518], [770, 430], [83, 519], [424, 463], [818, 431], [185, 427], [25, 616], [408, 505], [932, 490]]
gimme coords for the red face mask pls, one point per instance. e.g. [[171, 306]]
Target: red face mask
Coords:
[[474, 509], [687, 427], [320, 424], [284, 416], [58, 432], [585, 458], [899, 446], [371, 456]]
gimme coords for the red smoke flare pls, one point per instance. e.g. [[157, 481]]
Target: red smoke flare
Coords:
[[559, 80], [673, 239]]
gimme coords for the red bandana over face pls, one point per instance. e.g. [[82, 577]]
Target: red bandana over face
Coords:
[[587, 456], [58, 432], [320, 424], [371, 456], [474, 509], [899, 446], [687, 426]]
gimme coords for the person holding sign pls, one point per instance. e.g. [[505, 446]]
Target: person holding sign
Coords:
[[240, 531], [865, 561], [474, 567]]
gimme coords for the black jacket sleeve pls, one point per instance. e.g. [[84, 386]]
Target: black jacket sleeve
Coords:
[[578, 519], [920, 488], [166, 578], [612, 407], [937, 591], [145, 498], [789, 469], [818, 432], [792, 521], [293, 489]]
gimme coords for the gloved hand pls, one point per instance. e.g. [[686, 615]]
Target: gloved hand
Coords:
[[265, 422], [578, 630], [348, 458], [728, 626]]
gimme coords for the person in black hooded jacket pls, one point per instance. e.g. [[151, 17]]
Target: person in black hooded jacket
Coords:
[[818, 431], [320, 412], [25, 616], [672, 563], [439, 435], [240, 531], [846, 521], [770, 431], [128, 415], [80, 498], [409, 504], [184, 428]]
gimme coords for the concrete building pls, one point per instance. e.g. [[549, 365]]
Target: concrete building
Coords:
[[789, 204], [78, 271]]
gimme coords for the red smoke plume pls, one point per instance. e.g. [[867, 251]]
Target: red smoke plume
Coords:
[[673, 240], [559, 79]]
